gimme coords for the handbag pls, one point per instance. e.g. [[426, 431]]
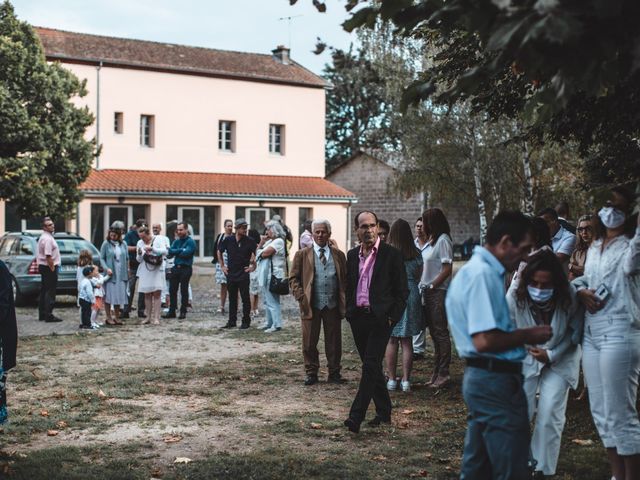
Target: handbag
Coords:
[[279, 286], [151, 259]]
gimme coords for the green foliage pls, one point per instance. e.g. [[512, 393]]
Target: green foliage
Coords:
[[569, 70], [44, 156], [356, 111]]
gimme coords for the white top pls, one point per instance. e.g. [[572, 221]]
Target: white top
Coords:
[[164, 240], [98, 283], [618, 268], [264, 265], [562, 348], [441, 252], [424, 250], [563, 242], [151, 277]]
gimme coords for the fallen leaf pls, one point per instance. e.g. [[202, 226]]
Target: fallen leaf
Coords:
[[582, 443], [407, 411], [102, 395], [44, 413], [184, 460], [316, 426], [172, 438], [428, 454], [52, 433], [403, 425], [62, 424], [419, 473], [380, 458], [35, 374]]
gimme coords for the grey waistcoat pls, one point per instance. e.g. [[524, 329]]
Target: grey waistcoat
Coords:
[[325, 283]]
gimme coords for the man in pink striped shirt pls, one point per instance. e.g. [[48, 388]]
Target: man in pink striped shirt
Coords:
[[48, 259], [376, 295]]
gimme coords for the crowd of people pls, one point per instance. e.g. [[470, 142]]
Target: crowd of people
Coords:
[[537, 301]]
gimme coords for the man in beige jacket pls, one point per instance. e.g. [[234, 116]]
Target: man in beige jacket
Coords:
[[317, 280]]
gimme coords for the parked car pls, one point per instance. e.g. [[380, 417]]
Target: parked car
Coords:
[[18, 251]]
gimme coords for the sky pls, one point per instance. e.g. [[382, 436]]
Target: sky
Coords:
[[240, 25]]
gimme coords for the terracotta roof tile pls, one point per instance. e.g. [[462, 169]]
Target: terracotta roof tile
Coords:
[[211, 184], [112, 51]]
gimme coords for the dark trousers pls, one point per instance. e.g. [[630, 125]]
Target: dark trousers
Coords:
[[180, 276], [47, 291], [233, 287], [330, 319], [496, 444], [371, 338], [133, 279], [85, 312]]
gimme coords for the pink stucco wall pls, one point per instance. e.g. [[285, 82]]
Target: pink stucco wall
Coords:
[[187, 109]]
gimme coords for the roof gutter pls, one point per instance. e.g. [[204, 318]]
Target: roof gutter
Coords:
[[216, 196]]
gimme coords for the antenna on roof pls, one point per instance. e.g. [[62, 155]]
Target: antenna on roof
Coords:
[[289, 18]]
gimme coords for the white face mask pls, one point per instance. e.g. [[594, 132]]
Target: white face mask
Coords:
[[612, 217], [540, 295]]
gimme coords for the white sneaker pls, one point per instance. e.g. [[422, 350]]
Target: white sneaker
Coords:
[[272, 329], [264, 326], [406, 385], [392, 384]]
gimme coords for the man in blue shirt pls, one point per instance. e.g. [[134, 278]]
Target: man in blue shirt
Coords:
[[496, 444], [182, 250]]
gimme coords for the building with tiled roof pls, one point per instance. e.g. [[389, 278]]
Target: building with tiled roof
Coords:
[[199, 134]]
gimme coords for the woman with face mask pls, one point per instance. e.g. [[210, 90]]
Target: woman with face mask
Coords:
[[542, 295], [610, 290]]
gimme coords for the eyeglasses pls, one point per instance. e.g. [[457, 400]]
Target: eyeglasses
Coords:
[[584, 229]]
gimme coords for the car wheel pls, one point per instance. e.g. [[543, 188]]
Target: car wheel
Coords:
[[18, 298]]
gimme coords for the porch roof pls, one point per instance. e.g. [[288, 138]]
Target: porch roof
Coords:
[[116, 182]]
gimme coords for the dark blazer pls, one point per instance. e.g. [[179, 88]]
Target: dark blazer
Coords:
[[8, 324], [303, 272], [388, 290]]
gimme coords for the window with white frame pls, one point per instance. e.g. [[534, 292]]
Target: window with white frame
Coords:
[[147, 130], [276, 139], [226, 136]]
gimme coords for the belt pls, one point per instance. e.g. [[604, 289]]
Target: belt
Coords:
[[494, 365], [365, 309]]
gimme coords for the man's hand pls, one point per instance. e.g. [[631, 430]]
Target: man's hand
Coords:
[[540, 354], [538, 334], [225, 269], [588, 297]]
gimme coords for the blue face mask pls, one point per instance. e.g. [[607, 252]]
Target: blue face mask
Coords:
[[612, 217], [540, 295]]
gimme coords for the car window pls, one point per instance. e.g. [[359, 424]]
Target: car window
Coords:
[[7, 245], [72, 246], [25, 247]]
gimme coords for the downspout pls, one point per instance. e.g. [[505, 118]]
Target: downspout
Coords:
[[348, 247], [98, 68]]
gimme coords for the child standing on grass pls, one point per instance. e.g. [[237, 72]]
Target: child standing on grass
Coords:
[[98, 280], [86, 298], [84, 259]]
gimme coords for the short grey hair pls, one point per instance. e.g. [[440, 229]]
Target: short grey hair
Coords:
[[320, 221], [277, 229]]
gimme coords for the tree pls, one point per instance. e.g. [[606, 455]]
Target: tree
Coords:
[[356, 111], [44, 156], [568, 69]]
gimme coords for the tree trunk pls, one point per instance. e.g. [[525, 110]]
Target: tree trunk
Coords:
[[477, 180], [527, 201]]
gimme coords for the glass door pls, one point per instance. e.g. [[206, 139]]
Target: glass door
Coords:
[[123, 213], [257, 217], [194, 216]]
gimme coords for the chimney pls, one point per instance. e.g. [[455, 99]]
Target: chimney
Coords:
[[281, 54]]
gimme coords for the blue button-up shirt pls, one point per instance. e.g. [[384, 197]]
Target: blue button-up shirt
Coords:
[[476, 303], [183, 250]]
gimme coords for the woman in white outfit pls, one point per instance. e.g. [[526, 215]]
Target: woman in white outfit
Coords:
[[610, 289], [543, 296], [151, 253], [271, 259]]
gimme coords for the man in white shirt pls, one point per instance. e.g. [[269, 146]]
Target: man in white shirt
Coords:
[[422, 244], [562, 240]]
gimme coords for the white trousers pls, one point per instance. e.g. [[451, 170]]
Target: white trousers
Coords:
[[611, 365], [549, 411]]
